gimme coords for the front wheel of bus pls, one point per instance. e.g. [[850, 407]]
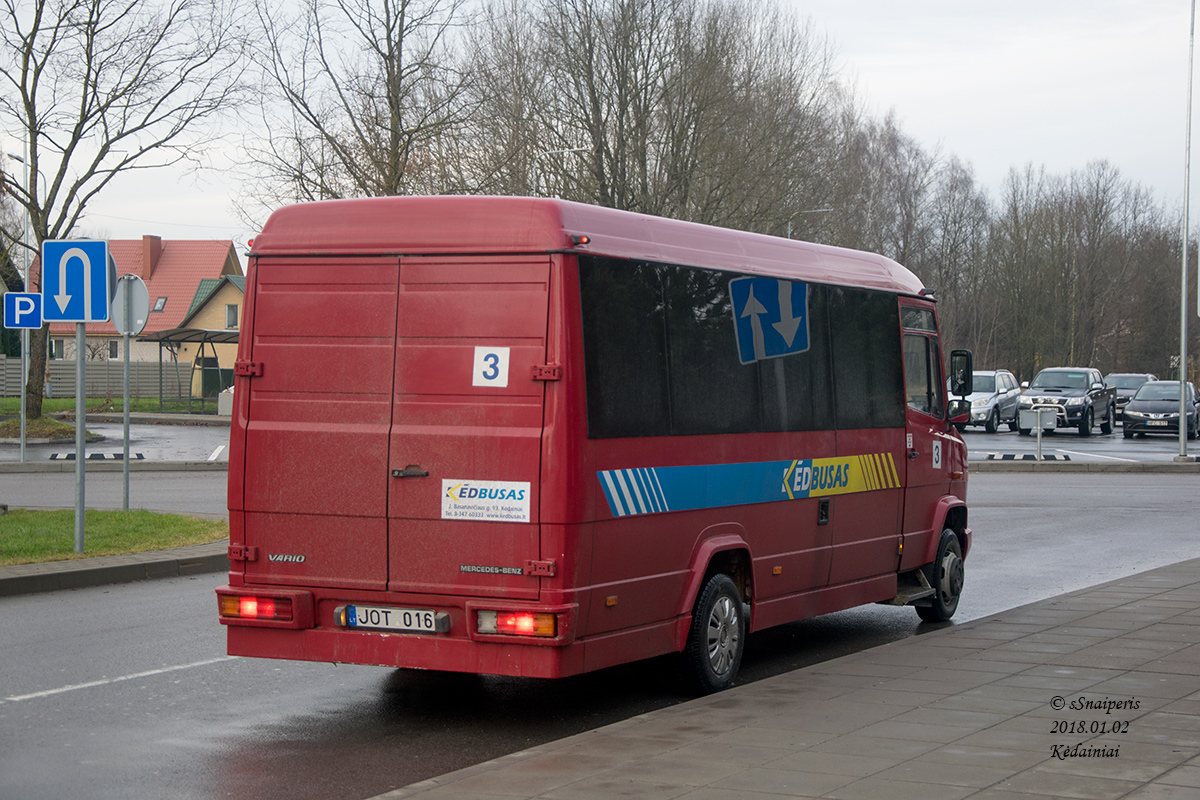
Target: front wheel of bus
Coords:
[[717, 638], [945, 575]]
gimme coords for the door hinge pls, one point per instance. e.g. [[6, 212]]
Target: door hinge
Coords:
[[541, 569], [547, 372], [240, 552], [248, 369]]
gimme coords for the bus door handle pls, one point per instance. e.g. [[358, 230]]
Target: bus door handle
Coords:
[[411, 471]]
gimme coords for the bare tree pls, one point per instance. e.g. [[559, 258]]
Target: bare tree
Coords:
[[103, 87], [716, 112], [359, 96]]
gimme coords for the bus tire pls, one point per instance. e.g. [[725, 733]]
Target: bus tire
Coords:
[[717, 637], [946, 576]]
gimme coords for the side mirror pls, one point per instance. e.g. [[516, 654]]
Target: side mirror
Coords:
[[960, 412], [1024, 385], [961, 373]]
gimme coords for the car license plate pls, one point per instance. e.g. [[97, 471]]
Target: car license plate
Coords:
[[1162, 423], [412, 620]]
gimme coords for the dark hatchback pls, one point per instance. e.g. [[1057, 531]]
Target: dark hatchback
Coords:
[[1155, 409]]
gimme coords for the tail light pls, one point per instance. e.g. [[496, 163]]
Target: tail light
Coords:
[[516, 623], [265, 608], [252, 607]]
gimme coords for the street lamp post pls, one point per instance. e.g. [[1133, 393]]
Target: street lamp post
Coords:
[[1183, 280], [25, 279]]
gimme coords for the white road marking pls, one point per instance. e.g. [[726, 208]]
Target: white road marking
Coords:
[[216, 453], [106, 681], [1096, 455]]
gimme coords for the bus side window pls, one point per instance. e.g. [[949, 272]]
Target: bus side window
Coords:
[[923, 388]]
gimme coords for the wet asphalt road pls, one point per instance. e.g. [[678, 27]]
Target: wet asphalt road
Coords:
[[154, 442], [125, 691]]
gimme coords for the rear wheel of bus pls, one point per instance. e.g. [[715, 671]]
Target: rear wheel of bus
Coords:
[[946, 576], [717, 638]]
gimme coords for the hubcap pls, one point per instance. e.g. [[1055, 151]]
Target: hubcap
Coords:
[[724, 632], [952, 577]]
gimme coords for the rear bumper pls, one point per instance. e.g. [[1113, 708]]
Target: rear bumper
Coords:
[[316, 635]]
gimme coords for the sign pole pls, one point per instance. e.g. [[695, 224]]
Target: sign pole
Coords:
[[127, 293], [24, 378], [80, 412], [77, 278], [129, 311]]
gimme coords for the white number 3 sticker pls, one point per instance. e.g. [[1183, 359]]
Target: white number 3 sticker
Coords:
[[491, 367]]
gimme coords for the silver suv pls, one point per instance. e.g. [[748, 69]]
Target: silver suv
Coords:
[[994, 400]]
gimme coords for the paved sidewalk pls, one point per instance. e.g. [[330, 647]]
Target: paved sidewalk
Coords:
[[1094, 694]]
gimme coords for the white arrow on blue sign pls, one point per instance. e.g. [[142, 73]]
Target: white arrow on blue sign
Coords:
[[22, 310], [75, 281], [770, 317]]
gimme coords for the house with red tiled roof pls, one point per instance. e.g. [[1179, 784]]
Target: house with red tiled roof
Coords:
[[172, 271]]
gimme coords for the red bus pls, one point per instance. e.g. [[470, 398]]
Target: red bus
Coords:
[[530, 437]]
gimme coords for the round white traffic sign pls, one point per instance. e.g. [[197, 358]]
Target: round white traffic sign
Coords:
[[130, 305]]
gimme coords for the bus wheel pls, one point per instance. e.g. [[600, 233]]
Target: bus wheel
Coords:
[[945, 575], [717, 637]]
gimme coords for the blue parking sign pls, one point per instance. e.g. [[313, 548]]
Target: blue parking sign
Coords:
[[770, 317], [75, 281], [22, 310]]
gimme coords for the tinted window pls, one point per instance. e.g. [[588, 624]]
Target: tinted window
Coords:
[[868, 384], [625, 349], [917, 319], [662, 358], [922, 374]]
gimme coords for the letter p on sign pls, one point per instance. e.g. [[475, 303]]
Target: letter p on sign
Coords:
[[22, 310]]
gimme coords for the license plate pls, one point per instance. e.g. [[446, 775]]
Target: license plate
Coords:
[[411, 620], [1158, 422]]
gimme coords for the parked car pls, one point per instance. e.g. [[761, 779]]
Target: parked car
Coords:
[[1077, 395], [1126, 384], [994, 400], [1155, 409]]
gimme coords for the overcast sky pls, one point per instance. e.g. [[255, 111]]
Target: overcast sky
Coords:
[[1053, 83]]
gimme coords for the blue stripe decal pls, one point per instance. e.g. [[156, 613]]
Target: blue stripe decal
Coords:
[[652, 490]]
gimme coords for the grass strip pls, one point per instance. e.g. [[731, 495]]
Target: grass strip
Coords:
[[31, 537]]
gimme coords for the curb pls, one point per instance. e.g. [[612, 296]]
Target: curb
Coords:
[[80, 573], [110, 465], [1012, 465]]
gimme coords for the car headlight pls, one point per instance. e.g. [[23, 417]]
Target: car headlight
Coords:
[[1076, 401], [1133, 414], [1025, 402], [979, 402]]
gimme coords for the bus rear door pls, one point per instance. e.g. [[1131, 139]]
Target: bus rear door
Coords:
[[318, 372], [465, 444]]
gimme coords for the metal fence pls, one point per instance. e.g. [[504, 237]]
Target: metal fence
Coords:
[[104, 378]]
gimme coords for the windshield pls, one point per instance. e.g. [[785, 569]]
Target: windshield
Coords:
[[1162, 390], [1060, 380], [983, 383], [1126, 381]]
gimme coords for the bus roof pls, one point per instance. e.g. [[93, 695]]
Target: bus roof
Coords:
[[456, 224]]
